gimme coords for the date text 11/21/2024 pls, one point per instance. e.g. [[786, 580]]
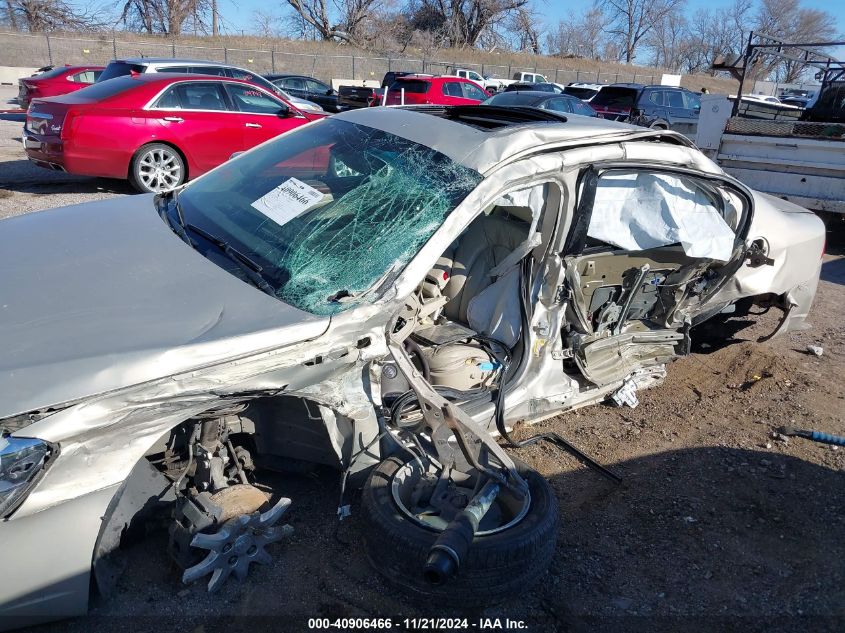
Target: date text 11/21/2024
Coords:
[[418, 624]]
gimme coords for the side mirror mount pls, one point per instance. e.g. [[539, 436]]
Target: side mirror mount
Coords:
[[329, 92], [289, 113]]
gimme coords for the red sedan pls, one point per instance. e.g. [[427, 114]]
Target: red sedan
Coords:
[[57, 81], [157, 130], [424, 89]]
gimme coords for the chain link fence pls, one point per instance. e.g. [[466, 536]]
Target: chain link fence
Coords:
[[36, 50]]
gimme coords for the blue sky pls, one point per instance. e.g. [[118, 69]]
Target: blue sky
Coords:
[[237, 14]]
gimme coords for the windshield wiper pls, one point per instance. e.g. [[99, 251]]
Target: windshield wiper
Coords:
[[250, 268], [178, 225]]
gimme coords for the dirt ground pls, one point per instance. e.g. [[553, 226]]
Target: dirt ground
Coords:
[[717, 525]]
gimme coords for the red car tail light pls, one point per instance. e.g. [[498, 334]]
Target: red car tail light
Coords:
[[69, 124]]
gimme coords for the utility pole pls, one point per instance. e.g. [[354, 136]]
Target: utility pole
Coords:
[[214, 29]]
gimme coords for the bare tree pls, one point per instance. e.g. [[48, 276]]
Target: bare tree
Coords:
[[670, 41], [165, 16], [343, 20], [11, 15], [460, 23], [266, 24], [788, 21], [580, 36], [50, 15], [525, 25], [629, 21], [714, 33]]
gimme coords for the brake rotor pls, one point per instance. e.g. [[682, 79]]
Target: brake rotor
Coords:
[[242, 537]]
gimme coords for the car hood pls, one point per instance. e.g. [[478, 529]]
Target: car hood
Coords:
[[104, 295]]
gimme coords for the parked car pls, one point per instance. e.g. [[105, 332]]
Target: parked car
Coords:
[[309, 89], [524, 78], [490, 84], [387, 81], [142, 65], [300, 104], [828, 106], [796, 92], [414, 90], [350, 97], [798, 97], [56, 81], [659, 107], [543, 87], [392, 75], [541, 99], [798, 102], [361, 292], [584, 91], [156, 130], [761, 98]]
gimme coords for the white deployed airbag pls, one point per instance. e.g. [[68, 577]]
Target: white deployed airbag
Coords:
[[638, 211]]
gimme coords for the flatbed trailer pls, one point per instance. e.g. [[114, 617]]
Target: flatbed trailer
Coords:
[[802, 162]]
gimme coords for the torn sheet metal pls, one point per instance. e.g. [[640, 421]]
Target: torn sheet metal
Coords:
[[642, 210], [626, 395]]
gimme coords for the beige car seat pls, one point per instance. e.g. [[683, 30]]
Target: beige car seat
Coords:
[[484, 245]]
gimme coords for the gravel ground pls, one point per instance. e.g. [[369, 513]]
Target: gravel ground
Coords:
[[25, 187], [717, 526]]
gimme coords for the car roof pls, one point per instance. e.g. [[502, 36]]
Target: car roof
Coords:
[[536, 95], [422, 77], [483, 149], [151, 78], [169, 60], [68, 68]]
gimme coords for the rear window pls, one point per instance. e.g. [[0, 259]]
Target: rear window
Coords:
[[411, 85], [201, 70], [103, 90], [513, 99], [615, 97], [581, 93], [120, 69]]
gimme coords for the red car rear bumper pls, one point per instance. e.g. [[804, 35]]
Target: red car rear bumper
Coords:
[[44, 151], [51, 152]]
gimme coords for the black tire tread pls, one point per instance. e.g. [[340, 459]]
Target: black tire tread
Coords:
[[497, 566]]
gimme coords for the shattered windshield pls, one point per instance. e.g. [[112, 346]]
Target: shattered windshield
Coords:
[[331, 212]]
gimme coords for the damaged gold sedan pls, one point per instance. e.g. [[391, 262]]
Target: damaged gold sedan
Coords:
[[384, 291]]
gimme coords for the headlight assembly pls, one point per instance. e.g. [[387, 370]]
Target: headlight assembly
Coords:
[[22, 461]]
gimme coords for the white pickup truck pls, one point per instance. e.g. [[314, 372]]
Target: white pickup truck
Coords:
[[803, 162], [492, 84]]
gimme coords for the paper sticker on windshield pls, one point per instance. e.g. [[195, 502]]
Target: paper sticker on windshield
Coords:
[[290, 199]]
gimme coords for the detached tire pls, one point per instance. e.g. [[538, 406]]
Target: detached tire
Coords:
[[497, 566]]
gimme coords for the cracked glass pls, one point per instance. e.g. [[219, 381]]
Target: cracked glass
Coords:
[[331, 213]]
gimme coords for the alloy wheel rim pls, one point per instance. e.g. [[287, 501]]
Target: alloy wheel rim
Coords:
[[159, 170], [507, 510]]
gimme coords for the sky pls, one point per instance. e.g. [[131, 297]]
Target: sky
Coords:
[[237, 14]]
